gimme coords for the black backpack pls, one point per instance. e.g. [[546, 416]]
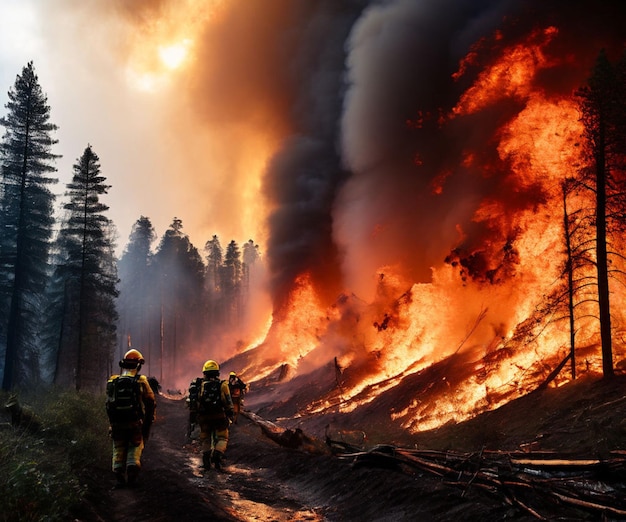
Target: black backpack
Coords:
[[194, 393], [124, 399], [210, 397]]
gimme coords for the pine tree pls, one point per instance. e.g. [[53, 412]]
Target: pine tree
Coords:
[[26, 220], [230, 281], [181, 281], [250, 256], [90, 279], [137, 300], [603, 106], [214, 259]]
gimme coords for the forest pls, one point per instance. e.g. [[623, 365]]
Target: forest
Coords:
[[69, 306], [440, 188]]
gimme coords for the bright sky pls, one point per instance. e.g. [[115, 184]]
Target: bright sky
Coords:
[[116, 88]]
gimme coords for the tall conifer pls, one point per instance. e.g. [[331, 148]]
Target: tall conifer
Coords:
[[26, 221], [91, 278]]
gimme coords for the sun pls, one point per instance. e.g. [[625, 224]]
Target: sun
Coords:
[[173, 55]]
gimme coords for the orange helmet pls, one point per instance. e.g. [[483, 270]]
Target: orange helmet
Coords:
[[134, 355], [132, 359]]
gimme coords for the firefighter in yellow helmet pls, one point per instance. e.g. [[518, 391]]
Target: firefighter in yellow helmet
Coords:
[[237, 391], [210, 400], [130, 406]]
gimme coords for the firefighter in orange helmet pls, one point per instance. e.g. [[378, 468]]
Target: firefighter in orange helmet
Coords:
[[210, 398], [130, 406]]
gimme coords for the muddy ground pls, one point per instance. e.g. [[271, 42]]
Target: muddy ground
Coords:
[[266, 481]]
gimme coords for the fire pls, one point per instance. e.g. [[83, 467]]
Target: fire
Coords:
[[295, 335], [510, 76], [470, 339], [450, 214]]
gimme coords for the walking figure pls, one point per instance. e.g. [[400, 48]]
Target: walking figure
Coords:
[[211, 406], [130, 406]]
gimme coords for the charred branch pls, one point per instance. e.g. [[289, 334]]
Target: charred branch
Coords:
[[540, 484]]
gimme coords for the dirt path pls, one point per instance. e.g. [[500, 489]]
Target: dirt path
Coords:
[[173, 486], [267, 482]]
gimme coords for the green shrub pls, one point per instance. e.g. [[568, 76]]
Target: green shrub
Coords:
[[40, 469], [80, 421]]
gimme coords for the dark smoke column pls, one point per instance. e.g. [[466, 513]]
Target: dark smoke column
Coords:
[[304, 175]]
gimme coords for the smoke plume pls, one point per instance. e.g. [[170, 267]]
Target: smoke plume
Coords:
[[371, 147]]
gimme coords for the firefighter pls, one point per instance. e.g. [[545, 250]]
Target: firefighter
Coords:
[[130, 406], [214, 407], [237, 391]]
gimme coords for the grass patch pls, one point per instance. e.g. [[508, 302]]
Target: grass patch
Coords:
[[42, 461]]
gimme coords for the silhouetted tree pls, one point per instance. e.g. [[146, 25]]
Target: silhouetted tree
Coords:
[[230, 281], [90, 279], [26, 220], [577, 275], [181, 280], [603, 107], [214, 260], [137, 302], [250, 256]]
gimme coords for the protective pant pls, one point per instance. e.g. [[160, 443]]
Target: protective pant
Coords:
[[213, 434], [127, 446]]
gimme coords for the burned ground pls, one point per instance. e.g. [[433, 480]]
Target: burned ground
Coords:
[[268, 481]]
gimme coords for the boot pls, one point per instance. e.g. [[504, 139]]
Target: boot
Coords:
[[120, 479], [217, 460], [132, 472], [206, 459]]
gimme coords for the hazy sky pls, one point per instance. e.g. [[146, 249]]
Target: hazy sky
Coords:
[[313, 127], [118, 83]]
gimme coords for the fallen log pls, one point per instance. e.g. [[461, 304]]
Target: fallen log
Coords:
[[594, 506], [517, 502], [557, 463], [295, 439], [542, 484]]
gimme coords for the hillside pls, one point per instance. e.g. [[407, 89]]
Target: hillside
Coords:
[[470, 470]]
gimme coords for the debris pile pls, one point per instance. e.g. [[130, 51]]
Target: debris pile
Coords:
[[544, 484]]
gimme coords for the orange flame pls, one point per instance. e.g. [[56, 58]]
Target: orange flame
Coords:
[[488, 324]]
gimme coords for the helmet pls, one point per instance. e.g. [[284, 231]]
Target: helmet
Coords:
[[210, 366], [233, 374], [132, 360], [134, 355]]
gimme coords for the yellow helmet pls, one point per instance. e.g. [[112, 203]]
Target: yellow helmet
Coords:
[[233, 374], [210, 366]]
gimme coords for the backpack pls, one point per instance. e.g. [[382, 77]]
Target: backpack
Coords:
[[124, 399], [210, 397], [194, 393]]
